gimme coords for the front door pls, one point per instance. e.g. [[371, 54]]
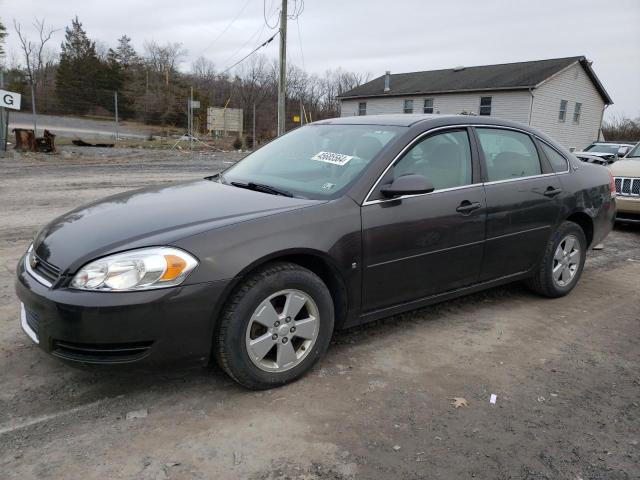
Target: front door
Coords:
[[421, 245], [522, 202]]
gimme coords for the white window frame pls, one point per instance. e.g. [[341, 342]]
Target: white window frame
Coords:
[[577, 111], [562, 113], [362, 111], [430, 107], [486, 106], [408, 101]]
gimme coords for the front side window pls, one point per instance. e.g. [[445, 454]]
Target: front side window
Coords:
[[485, 105], [558, 162], [408, 106], [428, 105], [314, 161], [362, 108], [444, 159], [562, 115], [576, 113], [508, 154]]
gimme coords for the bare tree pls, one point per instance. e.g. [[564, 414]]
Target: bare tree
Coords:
[[34, 53], [164, 59], [203, 69]]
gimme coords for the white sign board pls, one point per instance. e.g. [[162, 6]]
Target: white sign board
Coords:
[[10, 100], [195, 104], [224, 119]]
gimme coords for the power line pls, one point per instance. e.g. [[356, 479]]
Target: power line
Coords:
[[249, 40], [226, 28], [251, 53], [264, 14]]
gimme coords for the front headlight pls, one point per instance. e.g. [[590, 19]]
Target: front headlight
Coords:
[[143, 269]]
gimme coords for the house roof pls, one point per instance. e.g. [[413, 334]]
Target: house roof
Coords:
[[504, 76]]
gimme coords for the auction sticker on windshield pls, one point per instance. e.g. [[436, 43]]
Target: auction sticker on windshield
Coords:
[[332, 158]]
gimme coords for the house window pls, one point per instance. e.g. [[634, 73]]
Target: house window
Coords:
[[428, 105], [362, 108], [485, 105], [576, 113], [563, 110], [408, 106]]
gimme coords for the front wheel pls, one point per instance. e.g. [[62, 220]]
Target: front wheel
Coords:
[[562, 264], [275, 327]]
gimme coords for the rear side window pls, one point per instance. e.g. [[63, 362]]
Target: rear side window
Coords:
[[558, 162], [444, 159], [508, 154]]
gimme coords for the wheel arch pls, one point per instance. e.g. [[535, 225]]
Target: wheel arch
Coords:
[[585, 222], [318, 262]]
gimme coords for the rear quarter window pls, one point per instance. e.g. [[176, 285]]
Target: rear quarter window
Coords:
[[557, 161]]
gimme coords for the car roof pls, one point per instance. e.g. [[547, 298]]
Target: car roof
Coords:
[[410, 119]]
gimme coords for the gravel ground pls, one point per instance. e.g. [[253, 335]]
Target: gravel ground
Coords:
[[566, 373]]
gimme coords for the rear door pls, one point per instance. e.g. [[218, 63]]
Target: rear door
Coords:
[[522, 201], [420, 245]]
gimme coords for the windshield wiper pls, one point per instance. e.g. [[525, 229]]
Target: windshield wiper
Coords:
[[259, 187]]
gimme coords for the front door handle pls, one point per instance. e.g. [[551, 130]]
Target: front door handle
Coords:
[[552, 192], [467, 207]]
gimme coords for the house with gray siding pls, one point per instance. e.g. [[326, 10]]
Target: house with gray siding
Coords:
[[562, 97]]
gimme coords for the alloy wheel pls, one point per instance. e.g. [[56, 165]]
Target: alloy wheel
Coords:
[[566, 261], [282, 330]]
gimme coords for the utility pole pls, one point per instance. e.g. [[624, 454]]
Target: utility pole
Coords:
[[4, 119], [253, 143], [191, 118], [301, 112], [115, 103], [33, 110], [283, 70]]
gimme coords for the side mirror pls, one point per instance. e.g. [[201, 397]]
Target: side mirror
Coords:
[[622, 151], [412, 184]]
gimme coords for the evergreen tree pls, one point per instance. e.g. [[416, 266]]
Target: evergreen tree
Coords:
[[83, 81], [3, 34], [124, 54]]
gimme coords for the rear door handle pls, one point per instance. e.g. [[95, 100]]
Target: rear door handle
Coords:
[[552, 192], [467, 207]]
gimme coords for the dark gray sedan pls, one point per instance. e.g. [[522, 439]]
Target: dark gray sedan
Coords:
[[334, 224]]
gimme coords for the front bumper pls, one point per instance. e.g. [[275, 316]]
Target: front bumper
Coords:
[[155, 327], [628, 209]]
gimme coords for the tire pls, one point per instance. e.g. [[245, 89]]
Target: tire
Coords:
[[553, 278], [260, 313]]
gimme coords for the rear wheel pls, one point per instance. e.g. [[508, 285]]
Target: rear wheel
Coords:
[[275, 327], [562, 264]]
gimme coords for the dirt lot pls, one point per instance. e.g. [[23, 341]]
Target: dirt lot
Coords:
[[566, 374]]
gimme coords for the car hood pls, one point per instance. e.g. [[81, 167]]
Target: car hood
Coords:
[[626, 168], [596, 154], [152, 216]]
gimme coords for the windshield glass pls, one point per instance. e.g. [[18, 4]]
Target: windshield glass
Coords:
[[315, 161], [602, 148], [635, 153]]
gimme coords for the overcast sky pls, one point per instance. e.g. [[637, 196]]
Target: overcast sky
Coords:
[[374, 35]]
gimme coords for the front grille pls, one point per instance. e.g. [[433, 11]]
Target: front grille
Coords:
[[628, 186], [45, 269], [32, 320], [101, 352]]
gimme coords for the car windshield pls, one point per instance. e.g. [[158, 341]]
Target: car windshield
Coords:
[[602, 148], [314, 161], [635, 153]]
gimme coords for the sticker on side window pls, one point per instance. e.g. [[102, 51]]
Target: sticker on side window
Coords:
[[332, 158]]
